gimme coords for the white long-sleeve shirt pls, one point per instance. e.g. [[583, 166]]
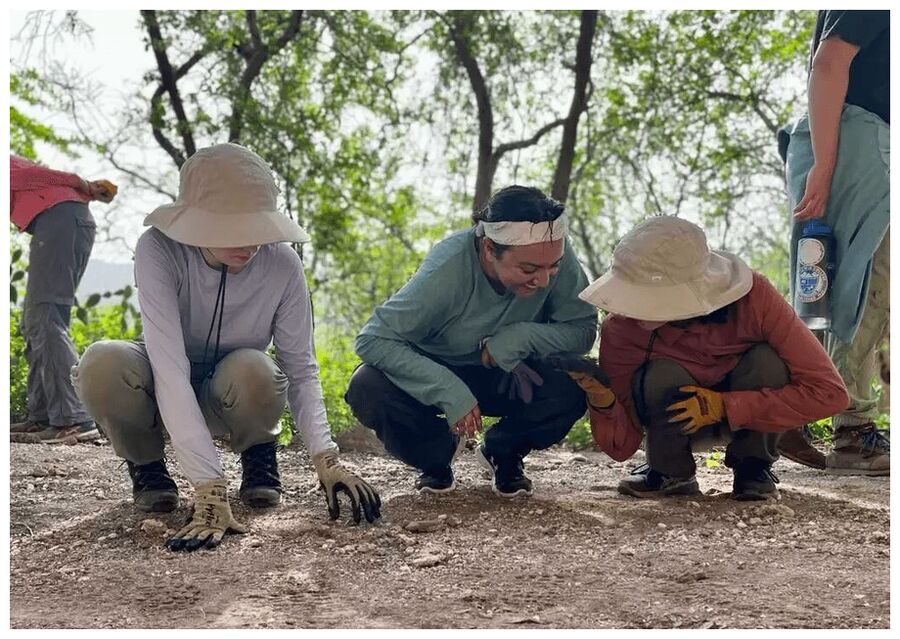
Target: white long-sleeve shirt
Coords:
[[268, 300]]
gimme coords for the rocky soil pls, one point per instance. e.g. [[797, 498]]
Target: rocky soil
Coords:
[[576, 554]]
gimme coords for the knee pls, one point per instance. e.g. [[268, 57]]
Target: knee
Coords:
[[656, 384], [108, 366], [250, 375], [759, 367]]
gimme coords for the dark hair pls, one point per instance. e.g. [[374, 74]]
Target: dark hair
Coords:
[[518, 204], [718, 316]]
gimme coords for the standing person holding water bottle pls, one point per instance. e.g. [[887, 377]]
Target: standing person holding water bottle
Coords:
[[838, 179]]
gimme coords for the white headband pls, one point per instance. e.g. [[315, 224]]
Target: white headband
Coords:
[[520, 233]]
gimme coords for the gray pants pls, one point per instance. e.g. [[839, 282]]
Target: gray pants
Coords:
[[669, 451], [243, 399], [62, 238]]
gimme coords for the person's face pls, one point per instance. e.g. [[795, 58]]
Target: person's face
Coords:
[[236, 257], [525, 269]]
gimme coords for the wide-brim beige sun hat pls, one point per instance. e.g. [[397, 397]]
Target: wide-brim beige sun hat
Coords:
[[663, 271], [227, 198]]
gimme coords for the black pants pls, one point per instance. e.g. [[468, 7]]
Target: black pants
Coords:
[[420, 436], [669, 451]]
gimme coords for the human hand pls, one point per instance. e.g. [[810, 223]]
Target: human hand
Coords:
[[702, 407], [102, 190], [590, 377], [520, 382], [815, 197], [210, 520], [469, 424], [334, 478]]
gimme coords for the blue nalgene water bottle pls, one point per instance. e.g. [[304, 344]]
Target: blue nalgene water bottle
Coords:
[[815, 274]]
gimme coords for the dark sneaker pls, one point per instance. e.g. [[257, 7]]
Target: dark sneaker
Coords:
[[753, 481], [152, 487], [795, 445], [509, 475], [862, 450], [260, 483], [436, 482], [647, 483], [83, 432]]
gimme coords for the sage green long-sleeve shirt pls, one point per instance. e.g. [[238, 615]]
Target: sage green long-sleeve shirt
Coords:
[[446, 309]]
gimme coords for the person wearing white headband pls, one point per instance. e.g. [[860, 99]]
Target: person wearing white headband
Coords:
[[464, 339], [700, 350], [217, 284]]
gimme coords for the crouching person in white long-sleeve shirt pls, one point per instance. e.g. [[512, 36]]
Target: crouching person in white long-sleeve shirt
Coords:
[[216, 286]]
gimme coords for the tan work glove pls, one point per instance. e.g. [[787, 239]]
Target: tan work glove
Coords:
[[334, 478], [702, 407], [210, 521], [590, 377], [102, 190]]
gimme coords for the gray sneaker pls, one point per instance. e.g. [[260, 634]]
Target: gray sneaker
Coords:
[[83, 432], [645, 482], [860, 450], [27, 432]]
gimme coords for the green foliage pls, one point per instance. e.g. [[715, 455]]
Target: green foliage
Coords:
[[25, 132], [580, 438]]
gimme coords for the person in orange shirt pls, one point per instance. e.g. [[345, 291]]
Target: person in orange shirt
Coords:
[[699, 350], [52, 206]]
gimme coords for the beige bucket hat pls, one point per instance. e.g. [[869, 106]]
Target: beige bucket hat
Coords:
[[227, 198], [663, 271]]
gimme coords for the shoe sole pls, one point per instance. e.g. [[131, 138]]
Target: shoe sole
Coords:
[[79, 438], [437, 491], [260, 500], [519, 493], [687, 490], [161, 506], [853, 471]]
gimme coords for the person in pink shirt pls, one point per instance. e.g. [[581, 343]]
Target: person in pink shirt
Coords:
[[52, 207], [699, 350]]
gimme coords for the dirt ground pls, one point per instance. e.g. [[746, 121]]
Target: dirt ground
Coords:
[[576, 554]]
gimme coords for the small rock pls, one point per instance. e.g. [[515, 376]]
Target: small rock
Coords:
[[407, 540], [776, 510], [255, 543], [741, 524], [694, 504], [690, 576], [152, 526], [426, 561], [661, 525], [539, 511], [39, 472], [754, 521], [580, 459], [628, 551], [453, 521], [100, 494], [425, 525], [29, 488]]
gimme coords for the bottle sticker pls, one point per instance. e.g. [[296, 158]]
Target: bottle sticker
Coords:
[[810, 251], [812, 283]]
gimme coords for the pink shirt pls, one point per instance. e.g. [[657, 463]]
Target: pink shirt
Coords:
[[34, 189], [709, 352]]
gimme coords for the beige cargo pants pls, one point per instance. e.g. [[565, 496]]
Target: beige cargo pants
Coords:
[[242, 400]]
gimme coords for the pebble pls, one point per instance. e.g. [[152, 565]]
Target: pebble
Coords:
[[453, 521], [628, 551], [152, 525], [425, 525], [581, 459], [694, 504], [661, 525], [741, 524], [754, 521], [426, 561]]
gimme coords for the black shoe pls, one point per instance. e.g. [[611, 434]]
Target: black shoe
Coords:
[[260, 483], [436, 481], [753, 481], [646, 482], [509, 475], [152, 487]]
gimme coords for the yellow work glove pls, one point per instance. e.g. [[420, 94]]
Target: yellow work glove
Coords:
[[334, 478], [210, 521], [590, 377], [702, 407], [102, 190]]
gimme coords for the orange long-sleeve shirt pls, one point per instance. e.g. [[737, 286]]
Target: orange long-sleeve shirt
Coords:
[[709, 352]]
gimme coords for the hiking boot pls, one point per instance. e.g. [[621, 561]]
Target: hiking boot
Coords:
[[645, 482], [260, 482], [860, 450], [83, 432], [27, 432], [441, 481], [753, 481], [509, 474], [795, 445], [152, 487]]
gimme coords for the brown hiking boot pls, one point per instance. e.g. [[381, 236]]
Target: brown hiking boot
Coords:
[[860, 450], [795, 445]]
